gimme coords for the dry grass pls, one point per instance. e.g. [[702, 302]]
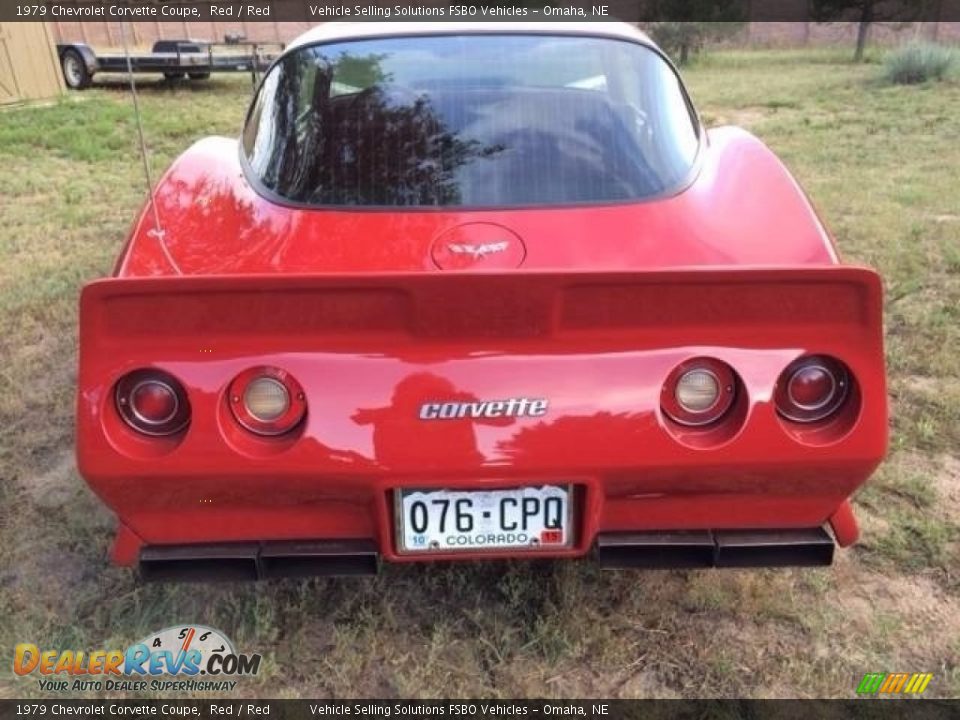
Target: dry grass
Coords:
[[881, 163]]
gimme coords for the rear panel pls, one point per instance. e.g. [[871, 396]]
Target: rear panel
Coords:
[[369, 351]]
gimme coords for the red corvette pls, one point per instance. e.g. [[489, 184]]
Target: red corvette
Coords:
[[470, 291]]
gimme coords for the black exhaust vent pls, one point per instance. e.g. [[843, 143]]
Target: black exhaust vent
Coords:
[[774, 548], [256, 561], [805, 547], [691, 549], [199, 563], [318, 557]]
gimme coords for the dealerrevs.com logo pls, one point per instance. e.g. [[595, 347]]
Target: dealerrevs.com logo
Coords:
[[184, 658]]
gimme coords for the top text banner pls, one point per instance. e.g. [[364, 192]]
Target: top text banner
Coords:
[[453, 11]]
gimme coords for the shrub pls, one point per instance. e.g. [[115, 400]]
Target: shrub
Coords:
[[919, 62]]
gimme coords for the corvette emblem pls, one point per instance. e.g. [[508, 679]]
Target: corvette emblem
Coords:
[[479, 245], [478, 251], [511, 407]]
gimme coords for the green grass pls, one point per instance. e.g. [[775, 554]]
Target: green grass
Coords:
[[880, 164], [919, 62]]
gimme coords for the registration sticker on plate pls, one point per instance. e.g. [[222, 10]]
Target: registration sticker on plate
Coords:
[[528, 518]]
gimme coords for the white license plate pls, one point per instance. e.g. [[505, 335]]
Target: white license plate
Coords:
[[528, 518]]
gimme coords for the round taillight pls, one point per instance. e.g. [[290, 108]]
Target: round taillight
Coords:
[[152, 402], [267, 401], [812, 388], [698, 392]]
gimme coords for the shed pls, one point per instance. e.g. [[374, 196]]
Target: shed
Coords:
[[29, 66]]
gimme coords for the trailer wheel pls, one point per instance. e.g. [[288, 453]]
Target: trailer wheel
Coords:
[[173, 75], [75, 72], [200, 76]]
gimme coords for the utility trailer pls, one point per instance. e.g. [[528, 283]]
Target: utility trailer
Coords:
[[174, 59]]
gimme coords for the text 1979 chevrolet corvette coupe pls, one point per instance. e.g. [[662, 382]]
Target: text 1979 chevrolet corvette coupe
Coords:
[[469, 291]]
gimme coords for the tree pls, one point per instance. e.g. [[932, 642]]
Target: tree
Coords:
[[680, 39], [693, 23], [868, 12]]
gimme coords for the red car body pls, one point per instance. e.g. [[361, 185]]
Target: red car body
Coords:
[[592, 306]]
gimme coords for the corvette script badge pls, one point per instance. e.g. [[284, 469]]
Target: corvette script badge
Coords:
[[512, 407]]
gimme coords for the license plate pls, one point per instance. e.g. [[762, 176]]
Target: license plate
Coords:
[[528, 518]]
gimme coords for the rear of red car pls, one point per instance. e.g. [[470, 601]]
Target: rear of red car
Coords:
[[387, 379], [523, 309]]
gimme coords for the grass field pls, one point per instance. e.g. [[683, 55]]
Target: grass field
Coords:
[[883, 166]]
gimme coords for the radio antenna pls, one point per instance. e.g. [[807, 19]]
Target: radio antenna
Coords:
[[157, 231]]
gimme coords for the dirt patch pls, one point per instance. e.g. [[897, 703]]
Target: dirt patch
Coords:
[[741, 117], [53, 569], [54, 488], [872, 524], [947, 483], [929, 387], [905, 618]]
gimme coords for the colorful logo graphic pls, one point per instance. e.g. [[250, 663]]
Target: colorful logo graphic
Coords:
[[184, 651], [894, 683]]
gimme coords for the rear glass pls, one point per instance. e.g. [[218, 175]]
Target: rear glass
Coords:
[[470, 120]]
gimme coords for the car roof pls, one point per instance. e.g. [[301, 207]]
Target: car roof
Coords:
[[336, 31]]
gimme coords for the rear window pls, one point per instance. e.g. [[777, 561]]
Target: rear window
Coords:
[[470, 120]]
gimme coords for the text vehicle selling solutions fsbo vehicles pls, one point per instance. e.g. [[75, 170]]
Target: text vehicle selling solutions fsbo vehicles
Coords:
[[466, 291]]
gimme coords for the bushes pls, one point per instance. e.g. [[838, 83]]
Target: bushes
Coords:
[[919, 62]]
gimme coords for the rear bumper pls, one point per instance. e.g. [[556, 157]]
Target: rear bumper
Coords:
[[233, 517], [805, 547], [641, 549]]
